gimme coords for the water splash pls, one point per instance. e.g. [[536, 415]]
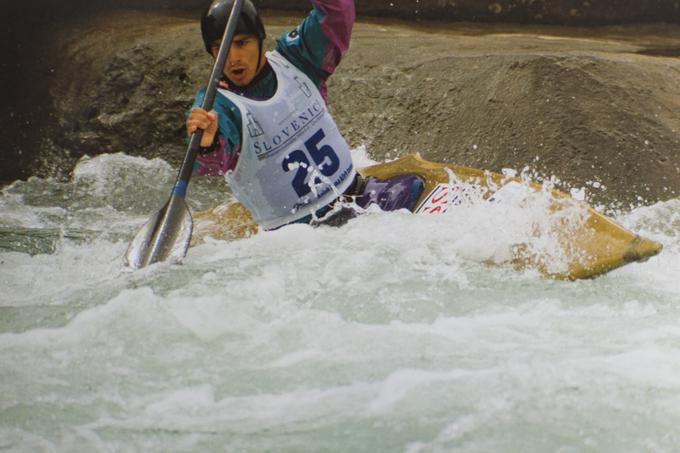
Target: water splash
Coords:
[[392, 333]]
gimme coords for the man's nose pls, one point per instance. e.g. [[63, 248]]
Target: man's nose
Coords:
[[234, 54]]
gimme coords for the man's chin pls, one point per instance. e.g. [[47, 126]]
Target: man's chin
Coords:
[[239, 81]]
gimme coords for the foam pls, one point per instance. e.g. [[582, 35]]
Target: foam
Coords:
[[395, 332]]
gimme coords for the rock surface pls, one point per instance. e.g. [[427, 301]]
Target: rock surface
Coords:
[[593, 107]]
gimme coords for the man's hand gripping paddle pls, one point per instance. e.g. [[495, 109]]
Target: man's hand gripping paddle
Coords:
[[168, 232]]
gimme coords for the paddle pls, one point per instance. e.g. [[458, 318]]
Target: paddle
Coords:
[[168, 232]]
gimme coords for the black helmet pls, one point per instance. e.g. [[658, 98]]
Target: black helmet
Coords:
[[214, 21]]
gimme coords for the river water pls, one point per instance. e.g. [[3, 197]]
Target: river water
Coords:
[[393, 333]]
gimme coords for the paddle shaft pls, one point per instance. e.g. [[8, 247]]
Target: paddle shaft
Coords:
[[209, 98]]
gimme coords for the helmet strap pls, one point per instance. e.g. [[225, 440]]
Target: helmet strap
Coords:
[[259, 54]]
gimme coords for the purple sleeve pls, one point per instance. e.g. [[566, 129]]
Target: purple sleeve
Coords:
[[339, 16], [318, 44], [218, 162]]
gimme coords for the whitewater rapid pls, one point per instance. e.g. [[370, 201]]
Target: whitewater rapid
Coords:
[[395, 332]]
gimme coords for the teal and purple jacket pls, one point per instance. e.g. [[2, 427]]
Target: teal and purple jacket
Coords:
[[315, 47]]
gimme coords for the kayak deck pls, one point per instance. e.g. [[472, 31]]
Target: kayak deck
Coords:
[[592, 246]]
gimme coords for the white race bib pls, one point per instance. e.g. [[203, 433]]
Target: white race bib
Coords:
[[293, 161]]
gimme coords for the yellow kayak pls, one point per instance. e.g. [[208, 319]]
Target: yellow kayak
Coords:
[[592, 245]]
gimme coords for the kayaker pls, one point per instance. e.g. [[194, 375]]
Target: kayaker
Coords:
[[270, 133]]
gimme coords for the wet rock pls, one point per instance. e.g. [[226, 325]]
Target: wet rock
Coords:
[[584, 119], [127, 94]]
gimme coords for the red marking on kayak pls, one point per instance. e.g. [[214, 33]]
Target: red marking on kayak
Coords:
[[439, 200]]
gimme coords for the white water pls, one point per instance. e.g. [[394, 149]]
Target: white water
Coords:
[[392, 333]]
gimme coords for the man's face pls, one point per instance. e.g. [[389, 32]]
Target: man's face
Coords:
[[244, 59]]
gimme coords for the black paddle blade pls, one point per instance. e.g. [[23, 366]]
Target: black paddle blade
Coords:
[[165, 236]]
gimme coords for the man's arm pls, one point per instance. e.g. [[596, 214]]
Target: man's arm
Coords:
[[221, 136], [318, 44]]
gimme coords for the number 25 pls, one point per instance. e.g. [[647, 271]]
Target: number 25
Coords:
[[324, 157]]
